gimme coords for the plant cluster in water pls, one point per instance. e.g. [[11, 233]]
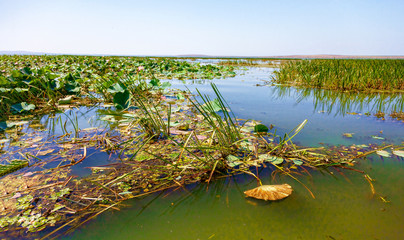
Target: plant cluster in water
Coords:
[[344, 74]]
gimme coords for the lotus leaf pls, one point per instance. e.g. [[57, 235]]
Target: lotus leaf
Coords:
[[377, 137], [272, 159], [260, 128], [348, 135], [383, 153], [399, 153], [22, 107], [3, 126], [116, 88], [155, 82], [122, 100], [66, 100], [233, 161], [180, 96], [297, 162], [71, 84], [212, 106]]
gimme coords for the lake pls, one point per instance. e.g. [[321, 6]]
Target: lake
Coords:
[[344, 206]]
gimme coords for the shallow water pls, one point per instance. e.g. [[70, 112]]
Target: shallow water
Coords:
[[342, 210], [344, 207]]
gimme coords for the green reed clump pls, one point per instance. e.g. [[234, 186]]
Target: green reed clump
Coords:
[[244, 62], [343, 74], [226, 128]]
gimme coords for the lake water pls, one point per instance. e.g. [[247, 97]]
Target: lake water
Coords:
[[344, 207]]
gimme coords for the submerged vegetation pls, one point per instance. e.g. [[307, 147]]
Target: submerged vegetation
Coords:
[[156, 138], [343, 74]]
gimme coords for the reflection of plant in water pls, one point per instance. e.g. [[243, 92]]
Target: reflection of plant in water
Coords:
[[344, 102]]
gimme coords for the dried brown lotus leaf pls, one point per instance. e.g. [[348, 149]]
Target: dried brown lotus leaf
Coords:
[[270, 192]]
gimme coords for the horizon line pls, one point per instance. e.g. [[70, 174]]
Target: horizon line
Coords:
[[24, 52]]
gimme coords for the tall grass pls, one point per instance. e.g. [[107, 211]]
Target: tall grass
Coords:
[[343, 74], [225, 128]]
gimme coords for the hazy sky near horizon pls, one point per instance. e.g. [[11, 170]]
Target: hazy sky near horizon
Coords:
[[221, 27]]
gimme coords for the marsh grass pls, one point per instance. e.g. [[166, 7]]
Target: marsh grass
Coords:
[[153, 121], [225, 128], [343, 74], [251, 62]]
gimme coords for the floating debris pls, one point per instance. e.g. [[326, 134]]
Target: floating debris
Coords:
[[348, 135]]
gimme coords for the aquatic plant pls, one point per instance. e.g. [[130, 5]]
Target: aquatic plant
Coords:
[[152, 121], [256, 62], [44, 80], [224, 129], [13, 166], [343, 74]]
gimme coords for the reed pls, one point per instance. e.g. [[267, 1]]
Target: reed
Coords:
[[343, 74], [225, 128]]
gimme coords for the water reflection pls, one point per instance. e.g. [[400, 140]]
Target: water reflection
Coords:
[[343, 102]]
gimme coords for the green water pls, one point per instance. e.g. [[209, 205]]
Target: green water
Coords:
[[344, 207]]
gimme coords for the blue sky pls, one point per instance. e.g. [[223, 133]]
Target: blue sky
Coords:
[[220, 27]]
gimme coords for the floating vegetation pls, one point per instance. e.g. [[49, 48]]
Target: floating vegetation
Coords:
[[44, 82], [343, 74], [13, 166]]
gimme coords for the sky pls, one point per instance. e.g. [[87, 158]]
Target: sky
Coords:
[[208, 27]]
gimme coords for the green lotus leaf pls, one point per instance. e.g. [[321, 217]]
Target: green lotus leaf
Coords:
[[260, 128], [116, 88], [22, 107], [122, 100]]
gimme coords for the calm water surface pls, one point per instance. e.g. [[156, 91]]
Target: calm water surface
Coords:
[[344, 207]]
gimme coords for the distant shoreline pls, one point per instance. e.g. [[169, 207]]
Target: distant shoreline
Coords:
[[314, 56]]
